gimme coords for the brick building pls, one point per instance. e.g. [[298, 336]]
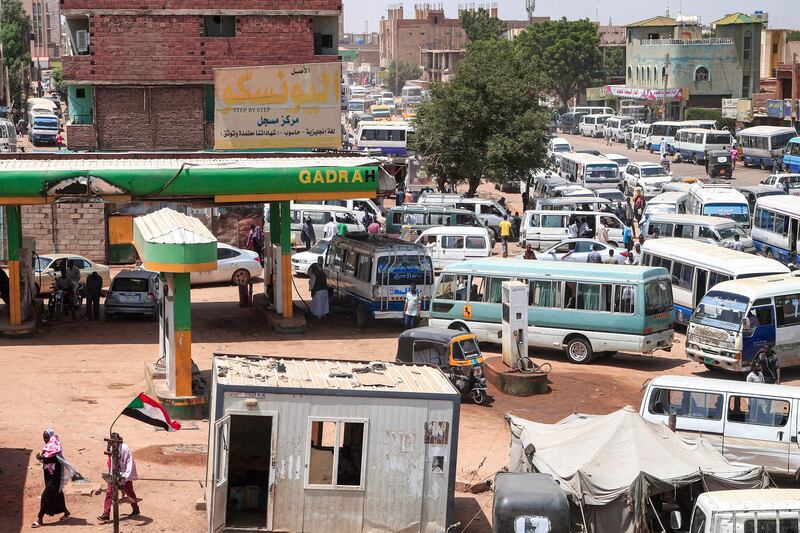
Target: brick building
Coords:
[[141, 77], [143, 71]]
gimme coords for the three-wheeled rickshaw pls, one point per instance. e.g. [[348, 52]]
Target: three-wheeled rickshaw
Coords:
[[456, 352], [719, 164], [529, 502]]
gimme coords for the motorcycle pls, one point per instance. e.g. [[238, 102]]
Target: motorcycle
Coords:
[[62, 303]]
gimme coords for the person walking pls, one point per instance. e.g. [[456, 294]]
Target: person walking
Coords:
[[776, 165], [638, 205], [408, 198], [411, 307], [329, 230], [602, 232], [127, 473], [755, 375], [94, 287], [318, 286], [627, 237], [594, 256], [611, 259], [505, 233], [768, 360], [737, 244], [60, 140], [628, 210], [636, 143], [57, 473], [734, 155], [255, 240]]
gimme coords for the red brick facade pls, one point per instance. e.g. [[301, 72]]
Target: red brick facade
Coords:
[[197, 5], [82, 136]]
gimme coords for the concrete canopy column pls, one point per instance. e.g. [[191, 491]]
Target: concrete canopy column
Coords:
[[180, 288], [14, 225], [285, 223]]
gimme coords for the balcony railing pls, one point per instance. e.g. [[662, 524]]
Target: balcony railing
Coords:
[[686, 42]]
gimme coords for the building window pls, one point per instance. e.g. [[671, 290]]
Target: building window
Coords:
[[630, 74], [80, 93], [774, 48], [748, 45], [701, 74], [630, 36], [746, 87], [336, 452], [648, 74], [663, 73], [325, 30], [219, 26]]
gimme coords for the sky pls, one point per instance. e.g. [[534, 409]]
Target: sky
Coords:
[[782, 13]]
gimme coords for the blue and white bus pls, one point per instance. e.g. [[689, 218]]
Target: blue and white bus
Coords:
[[387, 137], [696, 267], [776, 227], [738, 318], [371, 275], [662, 132], [760, 144], [791, 156], [694, 143], [588, 310]]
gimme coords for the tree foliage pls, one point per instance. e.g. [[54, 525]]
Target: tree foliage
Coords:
[[57, 77], [399, 72], [15, 29], [566, 52], [480, 25], [615, 63], [486, 122]]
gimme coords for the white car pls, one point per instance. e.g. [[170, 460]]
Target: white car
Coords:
[[234, 265], [650, 177], [778, 181], [556, 147], [571, 190], [577, 251], [301, 261]]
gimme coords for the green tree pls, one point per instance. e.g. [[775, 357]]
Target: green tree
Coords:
[[566, 52], [58, 82], [399, 72], [480, 25], [615, 63], [15, 30], [485, 123]]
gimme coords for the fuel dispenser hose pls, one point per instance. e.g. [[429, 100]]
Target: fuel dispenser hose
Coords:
[[526, 365]]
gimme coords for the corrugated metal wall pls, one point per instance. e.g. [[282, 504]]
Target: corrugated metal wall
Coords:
[[402, 492]]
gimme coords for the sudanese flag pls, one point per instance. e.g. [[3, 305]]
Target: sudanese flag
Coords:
[[147, 410]]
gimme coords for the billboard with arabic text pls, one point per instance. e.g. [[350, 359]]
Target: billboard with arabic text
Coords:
[[274, 107]]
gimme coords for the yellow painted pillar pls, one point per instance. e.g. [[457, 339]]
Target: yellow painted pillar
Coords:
[[14, 225], [286, 259]]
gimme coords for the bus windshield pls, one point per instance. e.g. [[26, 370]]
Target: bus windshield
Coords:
[[737, 212], [727, 232], [602, 172], [657, 297], [721, 309], [718, 138], [653, 172], [404, 270], [780, 141]]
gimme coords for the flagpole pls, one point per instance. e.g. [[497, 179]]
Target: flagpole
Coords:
[[114, 472]]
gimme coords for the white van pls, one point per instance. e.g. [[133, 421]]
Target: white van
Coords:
[[556, 148], [666, 202], [619, 126], [319, 215], [712, 230], [638, 132], [572, 203], [747, 510], [450, 244], [590, 171], [662, 132], [488, 211], [718, 200], [751, 423], [359, 207], [693, 144], [592, 125], [541, 229], [8, 136], [594, 110]]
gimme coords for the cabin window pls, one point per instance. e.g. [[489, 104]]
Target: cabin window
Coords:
[[364, 268], [682, 275], [351, 264], [787, 309], [544, 293], [495, 293], [625, 299], [336, 453], [445, 288], [477, 289], [476, 243], [452, 242], [686, 404], [339, 258], [758, 411]]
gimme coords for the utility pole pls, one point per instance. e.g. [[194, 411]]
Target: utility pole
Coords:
[[666, 83], [795, 92], [6, 83]]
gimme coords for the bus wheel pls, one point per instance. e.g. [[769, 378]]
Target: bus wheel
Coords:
[[363, 320], [579, 351], [458, 326]]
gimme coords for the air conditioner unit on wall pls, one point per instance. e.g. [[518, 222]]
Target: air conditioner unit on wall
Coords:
[[82, 41]]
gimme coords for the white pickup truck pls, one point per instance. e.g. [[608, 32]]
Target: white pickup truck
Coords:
[[743, 511]]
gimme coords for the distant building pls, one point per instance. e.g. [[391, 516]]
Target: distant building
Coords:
[[776, 48], [430, 40], [705, 67], [45, 30]]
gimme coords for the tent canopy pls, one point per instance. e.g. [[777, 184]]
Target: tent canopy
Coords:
[[596, 459]]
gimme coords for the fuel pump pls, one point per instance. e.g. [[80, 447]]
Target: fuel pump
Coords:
[[515, 322]]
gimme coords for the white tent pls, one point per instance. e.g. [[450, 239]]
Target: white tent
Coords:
[[611, 465]]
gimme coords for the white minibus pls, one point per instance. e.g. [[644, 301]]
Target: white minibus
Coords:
[[411, 95], [593, 110], [590, 171], [696, 267], [359, 207], [387, 137], [319, 215], [666, 202], [638, 132], [718, 201], [450, 244], [735, 320], [776, 227], [760, 144], [712, 230], [751, 423], [725, 511], [592, 125], [704, 124], [693, 144], [572, 203], [541, 229], [662, 132], [8, 136], [619, 126]]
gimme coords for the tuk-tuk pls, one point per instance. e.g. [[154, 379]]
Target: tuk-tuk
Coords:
[[456, 352], [719, 164], [528, 502]]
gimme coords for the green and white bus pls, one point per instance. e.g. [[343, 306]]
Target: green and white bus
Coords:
[[585, 309]]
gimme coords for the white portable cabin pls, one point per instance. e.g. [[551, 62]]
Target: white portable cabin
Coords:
[[325, 445]]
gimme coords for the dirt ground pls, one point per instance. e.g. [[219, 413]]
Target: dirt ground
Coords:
[[77, 376]]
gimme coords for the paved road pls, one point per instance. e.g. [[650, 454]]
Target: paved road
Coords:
[[741, 176]]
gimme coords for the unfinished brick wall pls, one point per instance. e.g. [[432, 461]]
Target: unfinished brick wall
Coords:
[[150, 118], [162, 49], [67, 228], [194, 5], [81, 137]]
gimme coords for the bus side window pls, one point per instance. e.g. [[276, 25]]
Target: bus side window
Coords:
[[624, 299], [365, 268], [787, 309], [570, 294], [495, 293], [445, 288], [462, 288], [350, 264], [477, 289], [338, 259]]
